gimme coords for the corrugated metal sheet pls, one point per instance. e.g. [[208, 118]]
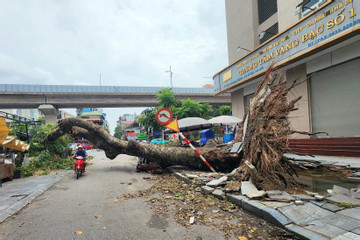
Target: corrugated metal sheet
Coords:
[[18, 88]]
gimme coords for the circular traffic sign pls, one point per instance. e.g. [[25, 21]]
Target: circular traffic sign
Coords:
[[163, 116]]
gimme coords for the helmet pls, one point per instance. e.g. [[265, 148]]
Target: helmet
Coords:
[[80, 147]]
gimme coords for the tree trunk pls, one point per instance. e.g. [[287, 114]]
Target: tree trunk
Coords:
[[219, 158]]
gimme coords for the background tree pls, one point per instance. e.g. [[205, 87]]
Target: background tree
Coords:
[[118, 131]]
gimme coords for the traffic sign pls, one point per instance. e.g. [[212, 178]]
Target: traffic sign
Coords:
[[163, 116], [173, 125]]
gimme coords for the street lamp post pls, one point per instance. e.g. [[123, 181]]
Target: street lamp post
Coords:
[[171, 73]]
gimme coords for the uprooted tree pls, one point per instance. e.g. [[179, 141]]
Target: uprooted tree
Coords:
[[264, 133]]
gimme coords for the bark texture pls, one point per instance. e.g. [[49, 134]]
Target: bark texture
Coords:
[[219, 158]]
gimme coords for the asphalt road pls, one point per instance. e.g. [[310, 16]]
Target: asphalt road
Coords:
[[88, 205]]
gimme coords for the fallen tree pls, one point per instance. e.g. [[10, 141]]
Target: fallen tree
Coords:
[[264, 134], [219, 158]]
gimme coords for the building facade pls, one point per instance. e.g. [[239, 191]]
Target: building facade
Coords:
[[315, 41]]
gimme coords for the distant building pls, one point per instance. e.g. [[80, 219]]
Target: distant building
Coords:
[[28, 113]]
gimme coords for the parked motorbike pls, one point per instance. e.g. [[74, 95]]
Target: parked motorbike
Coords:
[[79, 166]]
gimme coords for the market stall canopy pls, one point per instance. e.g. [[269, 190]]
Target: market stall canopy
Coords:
[[12, 143], [4, 130], [224, 120], [192, 123]]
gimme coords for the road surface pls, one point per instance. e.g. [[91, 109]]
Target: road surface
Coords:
[[88, 206]]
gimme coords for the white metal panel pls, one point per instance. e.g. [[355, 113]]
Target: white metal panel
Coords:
[[335, 98]]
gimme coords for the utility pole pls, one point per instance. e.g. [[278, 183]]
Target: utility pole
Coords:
[[100, 79], [171, 73]]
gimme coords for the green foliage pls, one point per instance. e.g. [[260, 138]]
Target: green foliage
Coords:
[[118, 131], [167, 99], [225, 110], [148, 119], [180, 109], [45, 163], [47, 156], [38, 145]]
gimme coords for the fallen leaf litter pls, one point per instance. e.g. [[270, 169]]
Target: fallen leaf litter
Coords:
[[170, 196]]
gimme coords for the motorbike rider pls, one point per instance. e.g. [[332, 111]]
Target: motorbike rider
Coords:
[[81, 152]]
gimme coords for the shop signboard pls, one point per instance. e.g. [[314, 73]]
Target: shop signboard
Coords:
[[332, 22]]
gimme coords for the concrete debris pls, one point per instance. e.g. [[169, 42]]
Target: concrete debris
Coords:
[[303, 197], [217, 182], [337, 190], [248, 189], [356, 174], [319, 197], [207, 189], [355, 193], [219, 194], [191, 176], [344, 199], [284, 196], [299, 202], [273, 192]]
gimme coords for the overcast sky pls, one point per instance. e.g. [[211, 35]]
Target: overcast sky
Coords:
[[130, 42]]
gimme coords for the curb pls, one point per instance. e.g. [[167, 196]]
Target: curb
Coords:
[[17, 206], [264, 212]]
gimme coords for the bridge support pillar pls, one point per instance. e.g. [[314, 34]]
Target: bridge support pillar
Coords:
[[50, 113]]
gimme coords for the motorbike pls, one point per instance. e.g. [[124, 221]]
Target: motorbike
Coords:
[[79, 166]]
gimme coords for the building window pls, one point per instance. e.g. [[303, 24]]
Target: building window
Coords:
[[307, 6], [266, 8], [269, 33]]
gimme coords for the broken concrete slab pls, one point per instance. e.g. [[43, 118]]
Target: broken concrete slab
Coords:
[[322, 228], [202, 180], [319, 197], [304, 213], [275, 205], [344, 199], [355, 193], [351, 212], [273, 192], [219, 194], [217, 182], [256, 195], [303, 197], [341, 221], [337, 190], [347, 236], [356, 174], [249, 189], [330, 207], [275, 217], [189, 175], [283, 196], [304, 233], [207, 189]]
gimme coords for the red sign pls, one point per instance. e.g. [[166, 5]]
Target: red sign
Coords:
[[164, 116]]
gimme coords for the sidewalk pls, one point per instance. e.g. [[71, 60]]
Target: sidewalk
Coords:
[[16, 194]]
